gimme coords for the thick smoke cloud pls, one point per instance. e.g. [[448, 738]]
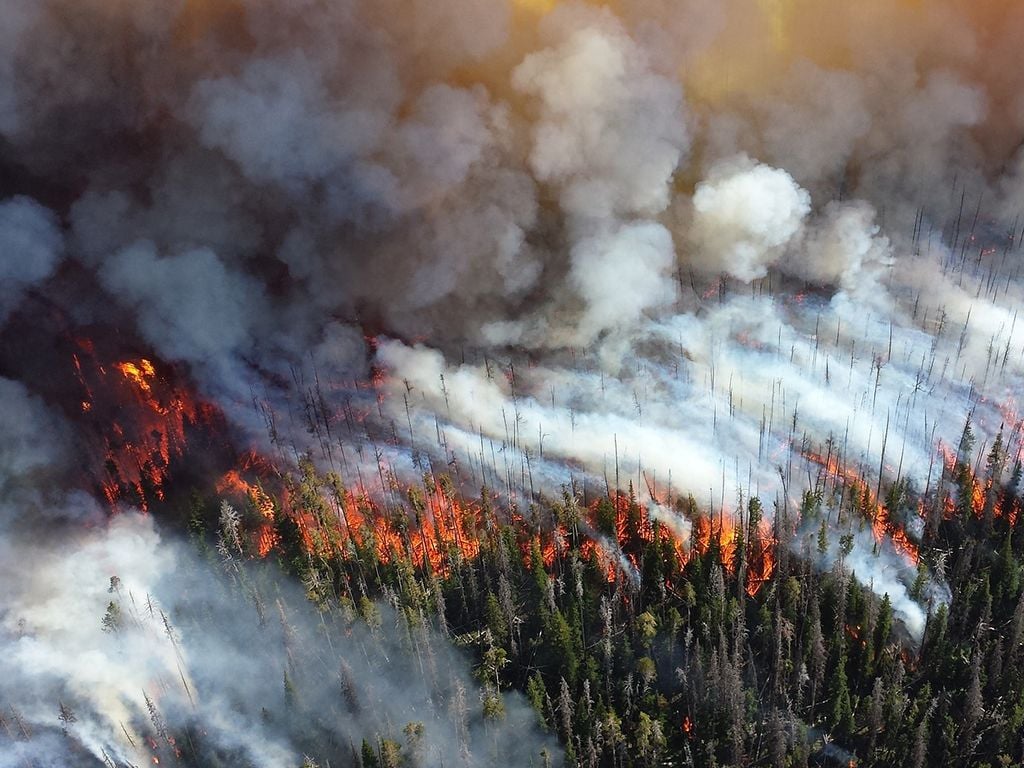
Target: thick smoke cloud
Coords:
[[692, 245], [189, 306], [845, 249], [744, 214], [31, 245], [610, 131]]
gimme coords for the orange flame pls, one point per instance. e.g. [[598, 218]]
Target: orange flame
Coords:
[[234, 484], [882, 526], [140, 424], [760, 558], [138, 373]]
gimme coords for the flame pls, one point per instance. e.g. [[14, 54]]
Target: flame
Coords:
[[687, 726], [440, 535], [138, 373], [233, 483], [139, 418], [606, 560], [266, 539], [855, 633], [438, 529], [979, 490], [724, 534], [760, 558], [882, 526]]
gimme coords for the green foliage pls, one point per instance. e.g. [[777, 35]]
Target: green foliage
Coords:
[[686, 668], [112, 619]]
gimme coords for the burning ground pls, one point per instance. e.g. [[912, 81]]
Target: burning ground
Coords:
[[623, 283]]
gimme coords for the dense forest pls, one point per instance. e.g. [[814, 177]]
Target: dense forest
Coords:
[[748, 646]]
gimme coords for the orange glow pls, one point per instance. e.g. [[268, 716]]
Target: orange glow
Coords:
[[854, 633], [138, 373], [606, 560], [687, 726], [722, 531], [140, 424], [760, 558], [536, 6], [979, 490], [266, 539], [234, 483], [882, 526], [438, 537]]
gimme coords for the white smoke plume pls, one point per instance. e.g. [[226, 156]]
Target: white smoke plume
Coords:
[[744, 215]]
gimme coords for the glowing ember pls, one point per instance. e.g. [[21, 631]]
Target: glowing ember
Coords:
[[140, 422], [138, 373]]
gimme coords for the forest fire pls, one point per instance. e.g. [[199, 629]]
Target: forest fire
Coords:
[[442, 529], [138, 373], [971, 492], [146, 432], [721, 535], [866, 502], [139, 418], [234, 484], [384, 313], [760, 558]]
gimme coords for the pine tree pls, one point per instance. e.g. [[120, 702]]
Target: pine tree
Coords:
[[841, 713]]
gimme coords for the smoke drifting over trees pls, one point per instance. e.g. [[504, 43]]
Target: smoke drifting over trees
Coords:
[[721, 250]]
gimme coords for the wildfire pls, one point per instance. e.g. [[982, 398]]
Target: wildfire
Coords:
[[441, 530], [605, 559], [138, 373], [723, 535], [761, 558], [140, 420], [882, 526], [978, 489], [233, 483], [687, 726], [266, 539], [854, 632]]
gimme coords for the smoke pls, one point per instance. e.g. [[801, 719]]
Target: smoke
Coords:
[[610, 132], [31, 246], [135, 647], [846, 249], [188, 306], [681, 528], [696, 246], [744, 214], [260, 683]]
